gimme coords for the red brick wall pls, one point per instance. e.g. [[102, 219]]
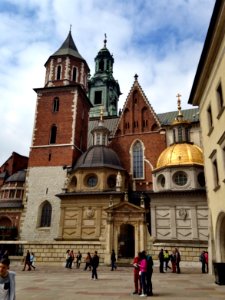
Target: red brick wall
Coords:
[[65, 119], [143, 126]]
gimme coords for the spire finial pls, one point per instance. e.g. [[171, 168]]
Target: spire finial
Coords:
[[136, 77], [178, 103], [101, 113], [105, 41], [70, 27]]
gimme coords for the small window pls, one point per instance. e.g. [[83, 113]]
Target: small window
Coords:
[[101, 65], [98, 97], [161, 181], [201, 179], [53, 134], [56, 104], [58, 74], [46, 215], [180, 178], [180, 134], [111, 181]]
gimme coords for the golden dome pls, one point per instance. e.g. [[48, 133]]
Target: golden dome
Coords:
[[180, 154]]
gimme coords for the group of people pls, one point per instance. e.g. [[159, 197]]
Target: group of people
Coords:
[[91, 262], [204, 260], [143, 269], [29, 261], [165, 258]]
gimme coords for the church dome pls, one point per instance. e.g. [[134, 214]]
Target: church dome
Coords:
[[99, 156], [180, 154]]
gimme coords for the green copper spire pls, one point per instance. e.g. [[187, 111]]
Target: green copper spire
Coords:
[[104, 90]]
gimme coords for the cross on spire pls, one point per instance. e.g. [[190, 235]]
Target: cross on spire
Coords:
[[105, 41], [70, 27], [178, 103]]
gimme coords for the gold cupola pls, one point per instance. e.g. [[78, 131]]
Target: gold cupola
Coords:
[[181, 152], [180, 155]]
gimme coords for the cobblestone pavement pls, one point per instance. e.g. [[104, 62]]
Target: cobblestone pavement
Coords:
[[59, 283]]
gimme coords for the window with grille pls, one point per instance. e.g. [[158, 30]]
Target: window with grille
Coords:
[[137, 160]]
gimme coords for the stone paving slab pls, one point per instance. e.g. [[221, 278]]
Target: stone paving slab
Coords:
[[59, 283]]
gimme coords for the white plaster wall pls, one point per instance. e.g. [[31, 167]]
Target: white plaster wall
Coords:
[[43, 183]]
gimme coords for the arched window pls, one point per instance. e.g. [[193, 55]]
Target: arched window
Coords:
[[58, 74], [55, 104], [137, 160], [53, 134], [46, 215], [74, 78]]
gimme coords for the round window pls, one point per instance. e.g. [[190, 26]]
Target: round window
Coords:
[[161, 180], [92, 180], [180, 178], [201, 179]]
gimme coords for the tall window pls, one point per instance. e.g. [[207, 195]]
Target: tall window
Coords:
[[53, 134], [58, 74], [98, 97], [219, 97], [74, 78], [55, 104], [210, 120], [215, 173], [137, 160], [46, 215]]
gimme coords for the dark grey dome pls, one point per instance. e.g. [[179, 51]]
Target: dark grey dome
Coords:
[[99, 156], [18, 176]]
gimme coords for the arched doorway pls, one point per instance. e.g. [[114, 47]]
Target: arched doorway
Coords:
[[5, 222], [126, 241]]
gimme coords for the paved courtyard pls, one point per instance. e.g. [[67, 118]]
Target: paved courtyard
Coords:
[[59, 283]]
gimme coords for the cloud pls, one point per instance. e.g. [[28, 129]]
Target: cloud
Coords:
[[161, 41]]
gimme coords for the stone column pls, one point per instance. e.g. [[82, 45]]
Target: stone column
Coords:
[[61, 223], [173, 223]]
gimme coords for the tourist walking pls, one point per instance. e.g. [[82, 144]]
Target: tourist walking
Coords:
[[173, 261], [137, 278], [113, 260], [71, 259], [166, 260], [27, 261], [161, 260], [94, 264], [78, 257], [67, 259], [7, 281], [88, 261], [178, 259], [32, 260]]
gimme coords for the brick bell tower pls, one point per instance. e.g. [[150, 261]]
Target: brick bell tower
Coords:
[[61, 119], [59, 138]]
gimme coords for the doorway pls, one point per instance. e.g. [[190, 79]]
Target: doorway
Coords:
[[126, 241]]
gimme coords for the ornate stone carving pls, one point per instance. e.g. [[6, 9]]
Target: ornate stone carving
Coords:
[[90, 213], [183, 213]]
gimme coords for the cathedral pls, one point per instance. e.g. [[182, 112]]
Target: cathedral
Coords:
[[99, 179]]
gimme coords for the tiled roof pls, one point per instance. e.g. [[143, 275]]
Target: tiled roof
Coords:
[[191, 115]]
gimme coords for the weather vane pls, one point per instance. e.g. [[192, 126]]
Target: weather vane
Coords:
[[178, 103]]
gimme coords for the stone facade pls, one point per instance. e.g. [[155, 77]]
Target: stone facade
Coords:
[[42, 185]]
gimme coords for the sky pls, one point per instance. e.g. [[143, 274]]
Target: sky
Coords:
[[160, 40]]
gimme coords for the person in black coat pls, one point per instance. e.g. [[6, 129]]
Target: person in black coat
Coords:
[[161, 261], [94, 264], [113, 260]]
